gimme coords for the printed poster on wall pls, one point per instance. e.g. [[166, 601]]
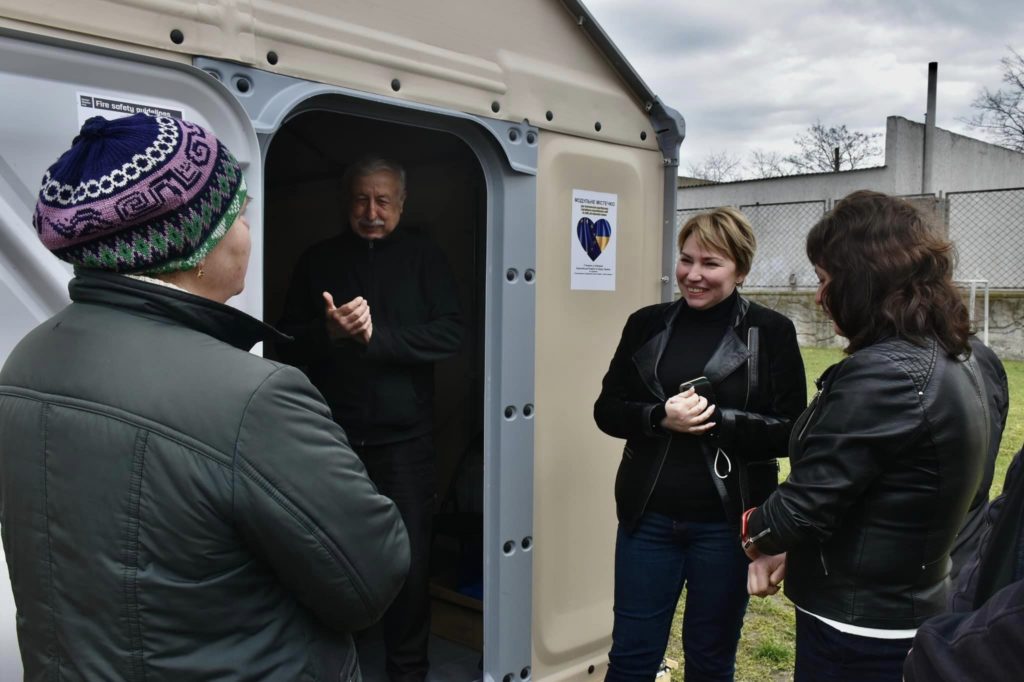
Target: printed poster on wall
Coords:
[[593, 239]]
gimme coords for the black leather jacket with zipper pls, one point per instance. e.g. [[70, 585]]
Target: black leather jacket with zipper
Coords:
[[885, 462], [760, 388]]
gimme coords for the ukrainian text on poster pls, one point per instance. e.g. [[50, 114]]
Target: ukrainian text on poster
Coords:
[[593, 236]]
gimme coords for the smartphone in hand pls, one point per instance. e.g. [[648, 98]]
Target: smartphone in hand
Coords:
[[701, 386]]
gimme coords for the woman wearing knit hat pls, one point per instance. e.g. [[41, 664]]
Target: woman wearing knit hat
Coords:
[[174, 507]]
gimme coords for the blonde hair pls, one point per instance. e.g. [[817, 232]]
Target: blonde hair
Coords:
[[726, 231]]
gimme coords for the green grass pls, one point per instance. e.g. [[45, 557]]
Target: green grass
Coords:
[[769, 633]]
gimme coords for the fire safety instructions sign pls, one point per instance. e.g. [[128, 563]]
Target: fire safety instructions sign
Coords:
[[111, 106], [592, 239]]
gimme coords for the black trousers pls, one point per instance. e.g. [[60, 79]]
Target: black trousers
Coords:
[[824, 654], [404, 472]]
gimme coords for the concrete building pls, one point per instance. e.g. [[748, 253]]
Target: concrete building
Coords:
[[961, 164], [977, 198]]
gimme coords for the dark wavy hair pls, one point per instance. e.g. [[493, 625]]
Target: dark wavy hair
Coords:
[[891, 274]]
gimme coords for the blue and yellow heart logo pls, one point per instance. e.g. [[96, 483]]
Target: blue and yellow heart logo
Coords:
[[593, 235]]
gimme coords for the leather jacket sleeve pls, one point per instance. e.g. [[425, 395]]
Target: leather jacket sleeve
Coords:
[[616, 412], [763, 435], [866, 416], [304, 504]]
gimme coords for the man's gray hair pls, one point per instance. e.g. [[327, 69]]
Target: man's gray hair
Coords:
[[368, 165]]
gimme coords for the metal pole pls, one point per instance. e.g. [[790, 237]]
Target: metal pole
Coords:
[[974, 302], [985, 337]]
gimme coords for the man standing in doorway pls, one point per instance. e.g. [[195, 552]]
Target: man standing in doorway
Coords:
[[372, 310]]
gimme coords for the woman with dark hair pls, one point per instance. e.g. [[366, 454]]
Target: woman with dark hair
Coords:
[[695, 457], [888, 455]]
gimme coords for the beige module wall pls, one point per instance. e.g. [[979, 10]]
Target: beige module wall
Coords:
[[526, 58], [577, 331], [513, 60]]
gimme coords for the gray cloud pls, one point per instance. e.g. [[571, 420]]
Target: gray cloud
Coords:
[[749, 75]]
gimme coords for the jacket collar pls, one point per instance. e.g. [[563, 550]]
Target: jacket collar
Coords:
[[730, 354], [220, 321]]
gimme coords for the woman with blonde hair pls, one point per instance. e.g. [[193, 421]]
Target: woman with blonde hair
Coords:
[[704, 390]]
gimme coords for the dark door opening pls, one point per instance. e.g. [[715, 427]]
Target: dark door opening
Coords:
[[447, 199]]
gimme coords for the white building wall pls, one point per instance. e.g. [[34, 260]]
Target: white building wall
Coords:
[[961, 164]]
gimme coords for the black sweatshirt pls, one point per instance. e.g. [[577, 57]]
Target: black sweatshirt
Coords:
[[684, 490], [380, 393]]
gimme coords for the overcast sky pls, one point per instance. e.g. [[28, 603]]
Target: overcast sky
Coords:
[[752, 74]]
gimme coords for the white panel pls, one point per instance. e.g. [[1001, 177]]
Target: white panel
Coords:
[[38, 120]]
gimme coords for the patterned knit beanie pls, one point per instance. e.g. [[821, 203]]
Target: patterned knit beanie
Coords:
[[143, 194]]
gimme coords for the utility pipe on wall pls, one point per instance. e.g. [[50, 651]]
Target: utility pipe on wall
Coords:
[[928, 161]]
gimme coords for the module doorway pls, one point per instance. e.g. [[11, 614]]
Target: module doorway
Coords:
[[304, 204]]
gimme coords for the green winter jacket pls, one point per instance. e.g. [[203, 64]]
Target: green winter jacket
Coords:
[[176, 508]]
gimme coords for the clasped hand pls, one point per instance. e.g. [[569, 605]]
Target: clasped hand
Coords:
[[765, 573], [349, 321], [688, 412]]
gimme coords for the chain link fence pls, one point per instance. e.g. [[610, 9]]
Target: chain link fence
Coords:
[[987, 227], [988, 230], [780, 230]]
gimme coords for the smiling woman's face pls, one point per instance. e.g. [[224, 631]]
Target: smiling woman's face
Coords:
[[706, 277]]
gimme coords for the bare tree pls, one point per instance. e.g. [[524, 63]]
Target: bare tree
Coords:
[[716, 167], [765, 164], [1001, 113], [818, 147]]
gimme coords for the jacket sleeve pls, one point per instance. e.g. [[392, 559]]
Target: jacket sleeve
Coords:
[[616, 412], [304, 504], [867, 416], [997, 394], [986, 644], [965, 584], [764, 435], [437, 338], [303, 320]]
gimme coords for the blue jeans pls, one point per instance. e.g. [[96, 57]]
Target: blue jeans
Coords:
[[824, 654], [652, 564]]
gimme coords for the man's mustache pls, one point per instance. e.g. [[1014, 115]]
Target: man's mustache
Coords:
[[371, 223]]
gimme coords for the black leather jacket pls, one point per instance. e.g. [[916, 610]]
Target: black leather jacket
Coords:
[[885, 462], [760, 388]]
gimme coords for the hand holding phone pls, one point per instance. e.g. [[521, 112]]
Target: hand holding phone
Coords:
[[690, 414], [701, 386]]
